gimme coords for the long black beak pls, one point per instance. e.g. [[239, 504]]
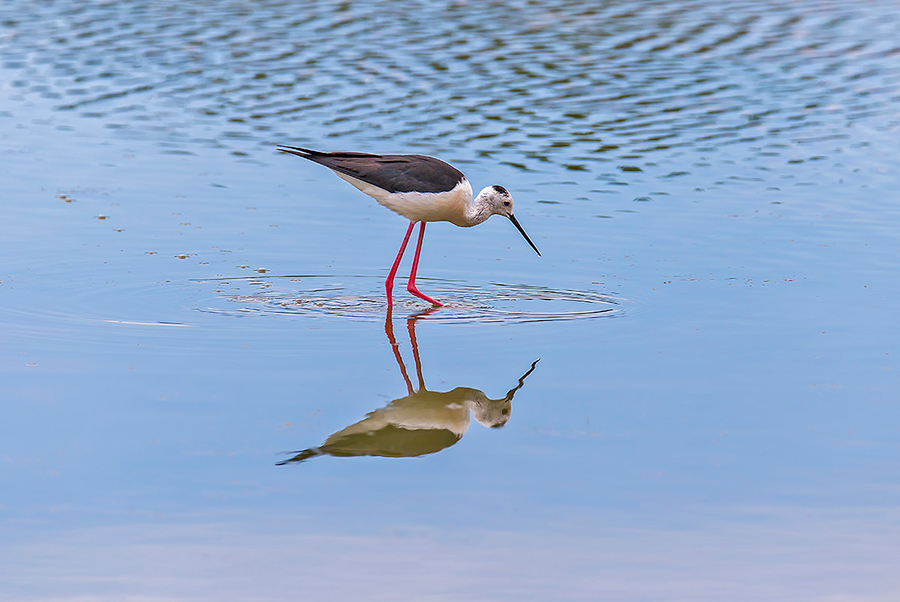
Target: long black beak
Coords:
[[515, 222]]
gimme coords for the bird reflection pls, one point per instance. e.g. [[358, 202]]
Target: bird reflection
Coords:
[[423, 422]]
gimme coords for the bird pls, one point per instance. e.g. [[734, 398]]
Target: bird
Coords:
[[420, 188], [423, 422]]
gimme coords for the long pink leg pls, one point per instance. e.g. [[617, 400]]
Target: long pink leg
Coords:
[[411, 328], [389, 331], [389, 283], [411, 285]]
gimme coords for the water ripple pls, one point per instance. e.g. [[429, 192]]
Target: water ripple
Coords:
[[362, 298], [570, 83]]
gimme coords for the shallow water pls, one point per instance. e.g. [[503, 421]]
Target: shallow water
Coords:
[[712, 412]]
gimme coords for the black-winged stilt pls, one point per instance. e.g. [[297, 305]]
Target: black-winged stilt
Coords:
[[423, 422], [421, 189]]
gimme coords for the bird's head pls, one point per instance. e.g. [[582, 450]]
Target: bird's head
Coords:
[[492, 413], [498, 201]]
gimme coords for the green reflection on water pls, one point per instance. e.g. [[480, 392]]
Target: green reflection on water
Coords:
[[423, 422]]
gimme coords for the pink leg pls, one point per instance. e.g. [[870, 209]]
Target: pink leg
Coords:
[[389, 283], [411, 328], [411, 285], [389, 331]]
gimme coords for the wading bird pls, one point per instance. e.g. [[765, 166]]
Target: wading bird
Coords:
[[421, 189]]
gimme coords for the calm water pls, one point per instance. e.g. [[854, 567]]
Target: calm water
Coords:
[[697, 383]]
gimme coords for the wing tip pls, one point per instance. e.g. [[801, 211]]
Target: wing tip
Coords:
[[297, 150]]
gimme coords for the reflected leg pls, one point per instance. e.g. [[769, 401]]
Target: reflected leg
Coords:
[[389, 331], [411, 328]]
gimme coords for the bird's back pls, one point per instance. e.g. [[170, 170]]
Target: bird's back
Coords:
[[392, 173]]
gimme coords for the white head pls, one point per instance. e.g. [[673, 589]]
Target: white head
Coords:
[[492, 413], [496, 200]]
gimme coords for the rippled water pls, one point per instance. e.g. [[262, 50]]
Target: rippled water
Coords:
[[713, 187], [577, 85], [362, 298]]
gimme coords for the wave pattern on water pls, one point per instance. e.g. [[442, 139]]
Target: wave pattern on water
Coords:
[[362, 298], [571, 84]]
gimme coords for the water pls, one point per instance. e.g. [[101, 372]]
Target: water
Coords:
[[713, 415]]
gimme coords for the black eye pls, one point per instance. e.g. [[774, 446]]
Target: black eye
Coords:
[[506, 203]]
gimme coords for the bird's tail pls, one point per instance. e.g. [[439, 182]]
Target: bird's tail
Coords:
[[306, 153], [306, 454]]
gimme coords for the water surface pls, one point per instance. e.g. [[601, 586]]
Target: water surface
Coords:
[[713, 415]]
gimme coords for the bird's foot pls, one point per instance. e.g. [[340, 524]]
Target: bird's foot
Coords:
[[413, 290]]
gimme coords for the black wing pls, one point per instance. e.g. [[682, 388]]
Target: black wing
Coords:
[[394, 173]]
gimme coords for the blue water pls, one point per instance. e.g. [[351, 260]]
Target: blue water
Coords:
[[713, 415]]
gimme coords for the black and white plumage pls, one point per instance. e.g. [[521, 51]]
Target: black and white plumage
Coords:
[[393, 173], [421, 189]]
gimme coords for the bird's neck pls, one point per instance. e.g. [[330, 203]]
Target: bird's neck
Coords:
[[477, 211]]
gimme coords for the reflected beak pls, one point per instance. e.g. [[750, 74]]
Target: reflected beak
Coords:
[[515, 222]]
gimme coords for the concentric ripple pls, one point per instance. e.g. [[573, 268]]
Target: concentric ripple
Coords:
[[362, 297]]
